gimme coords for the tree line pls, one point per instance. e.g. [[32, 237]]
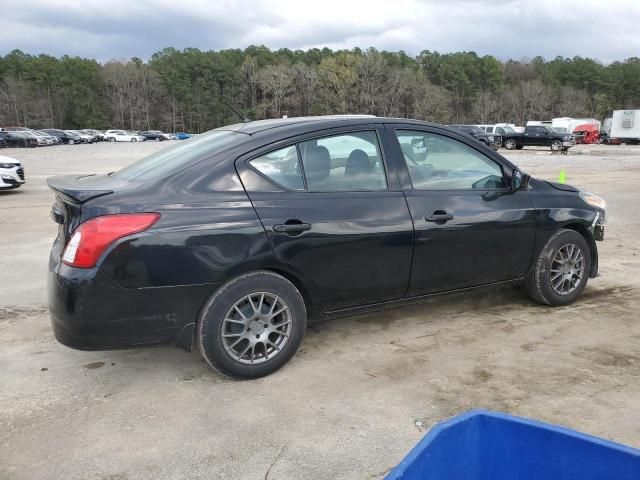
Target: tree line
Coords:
[[185, 90]]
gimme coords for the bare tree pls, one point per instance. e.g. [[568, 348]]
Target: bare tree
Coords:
[[306, 82], [276, 82]]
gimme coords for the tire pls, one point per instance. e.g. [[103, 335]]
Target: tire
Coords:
[[538, 283], [556, 146], [112, 139], [134, 140], [228, 355], [510, 144], [158, 139]]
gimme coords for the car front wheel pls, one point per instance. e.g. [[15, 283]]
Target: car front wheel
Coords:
[[252, 325], [561, 271], [556, 145]]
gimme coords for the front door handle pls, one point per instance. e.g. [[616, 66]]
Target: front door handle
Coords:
[[439, 216], [291, 228]]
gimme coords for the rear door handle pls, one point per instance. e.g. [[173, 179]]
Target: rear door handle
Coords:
[[291, 227], [439, 217]]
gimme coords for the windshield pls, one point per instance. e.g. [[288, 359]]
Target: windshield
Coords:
[[172, 158], [508, 130]]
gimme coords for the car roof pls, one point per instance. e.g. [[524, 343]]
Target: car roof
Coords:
[[326, 121]]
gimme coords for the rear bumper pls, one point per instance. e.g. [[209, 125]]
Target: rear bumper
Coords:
[[90, 311]]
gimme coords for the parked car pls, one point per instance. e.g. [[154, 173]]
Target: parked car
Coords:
[[3, 142], [97, 135], [156, 135], [123, 136], [181, 135], [490, 140], [11, 173], [236, 239], [45, 138], [18, 139], [538, 136], [62, 136], [41, 139], [84, 137]]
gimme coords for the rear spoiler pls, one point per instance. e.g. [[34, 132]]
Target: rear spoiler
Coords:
[[71, 189]]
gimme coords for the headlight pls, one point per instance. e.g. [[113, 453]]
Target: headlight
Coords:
[[491, 138], [566, 138], [593, 200], [6, 165]]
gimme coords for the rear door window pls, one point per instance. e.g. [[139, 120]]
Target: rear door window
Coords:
[[346, 162], [281, 167]]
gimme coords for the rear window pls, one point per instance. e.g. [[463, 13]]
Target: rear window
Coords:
[[170, 159]]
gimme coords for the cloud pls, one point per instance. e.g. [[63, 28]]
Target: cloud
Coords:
[[504, 28]]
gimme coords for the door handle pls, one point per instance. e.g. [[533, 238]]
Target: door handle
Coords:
[[291, 227], [439, 217]]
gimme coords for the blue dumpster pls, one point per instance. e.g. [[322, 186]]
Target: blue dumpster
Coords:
[[483, 445]]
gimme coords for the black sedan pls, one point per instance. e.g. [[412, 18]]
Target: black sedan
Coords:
[[18, 139], [156, 135], [63, 137], [236, 239], [493, 141]]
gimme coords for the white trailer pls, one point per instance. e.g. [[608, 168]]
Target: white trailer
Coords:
[[625, 126]]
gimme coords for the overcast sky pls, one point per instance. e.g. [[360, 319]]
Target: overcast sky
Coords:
[[606, 30]]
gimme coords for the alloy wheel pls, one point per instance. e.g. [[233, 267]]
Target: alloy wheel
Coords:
[[567, 269], [256, 328]]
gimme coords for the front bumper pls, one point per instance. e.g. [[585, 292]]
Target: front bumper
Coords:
[[11, 178], [567, 144]]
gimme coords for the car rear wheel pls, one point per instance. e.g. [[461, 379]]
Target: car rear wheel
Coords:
[[556, 145], [133, 140], [252, 325], [561, 271], [510, 144], [112, 139]]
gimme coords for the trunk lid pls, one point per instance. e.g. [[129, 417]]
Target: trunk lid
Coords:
[[72, 192]]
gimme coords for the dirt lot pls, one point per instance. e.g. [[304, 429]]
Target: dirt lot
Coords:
[[350, 403]]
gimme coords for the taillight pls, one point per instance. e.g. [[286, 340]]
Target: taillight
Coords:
[[94, 236]]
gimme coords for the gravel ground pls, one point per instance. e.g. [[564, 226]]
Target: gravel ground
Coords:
[[360, 392]]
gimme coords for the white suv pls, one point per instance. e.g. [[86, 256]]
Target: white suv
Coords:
[[11, 173], [123, 136]]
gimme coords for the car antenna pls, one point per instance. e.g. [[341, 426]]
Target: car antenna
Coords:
[[244, 119]]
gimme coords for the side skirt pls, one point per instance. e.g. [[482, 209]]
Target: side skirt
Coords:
[[374, 307]]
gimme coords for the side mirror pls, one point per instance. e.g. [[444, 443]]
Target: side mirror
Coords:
[[519, 180]]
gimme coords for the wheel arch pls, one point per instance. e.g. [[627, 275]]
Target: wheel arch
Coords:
[[583, 230], [186, 338]]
